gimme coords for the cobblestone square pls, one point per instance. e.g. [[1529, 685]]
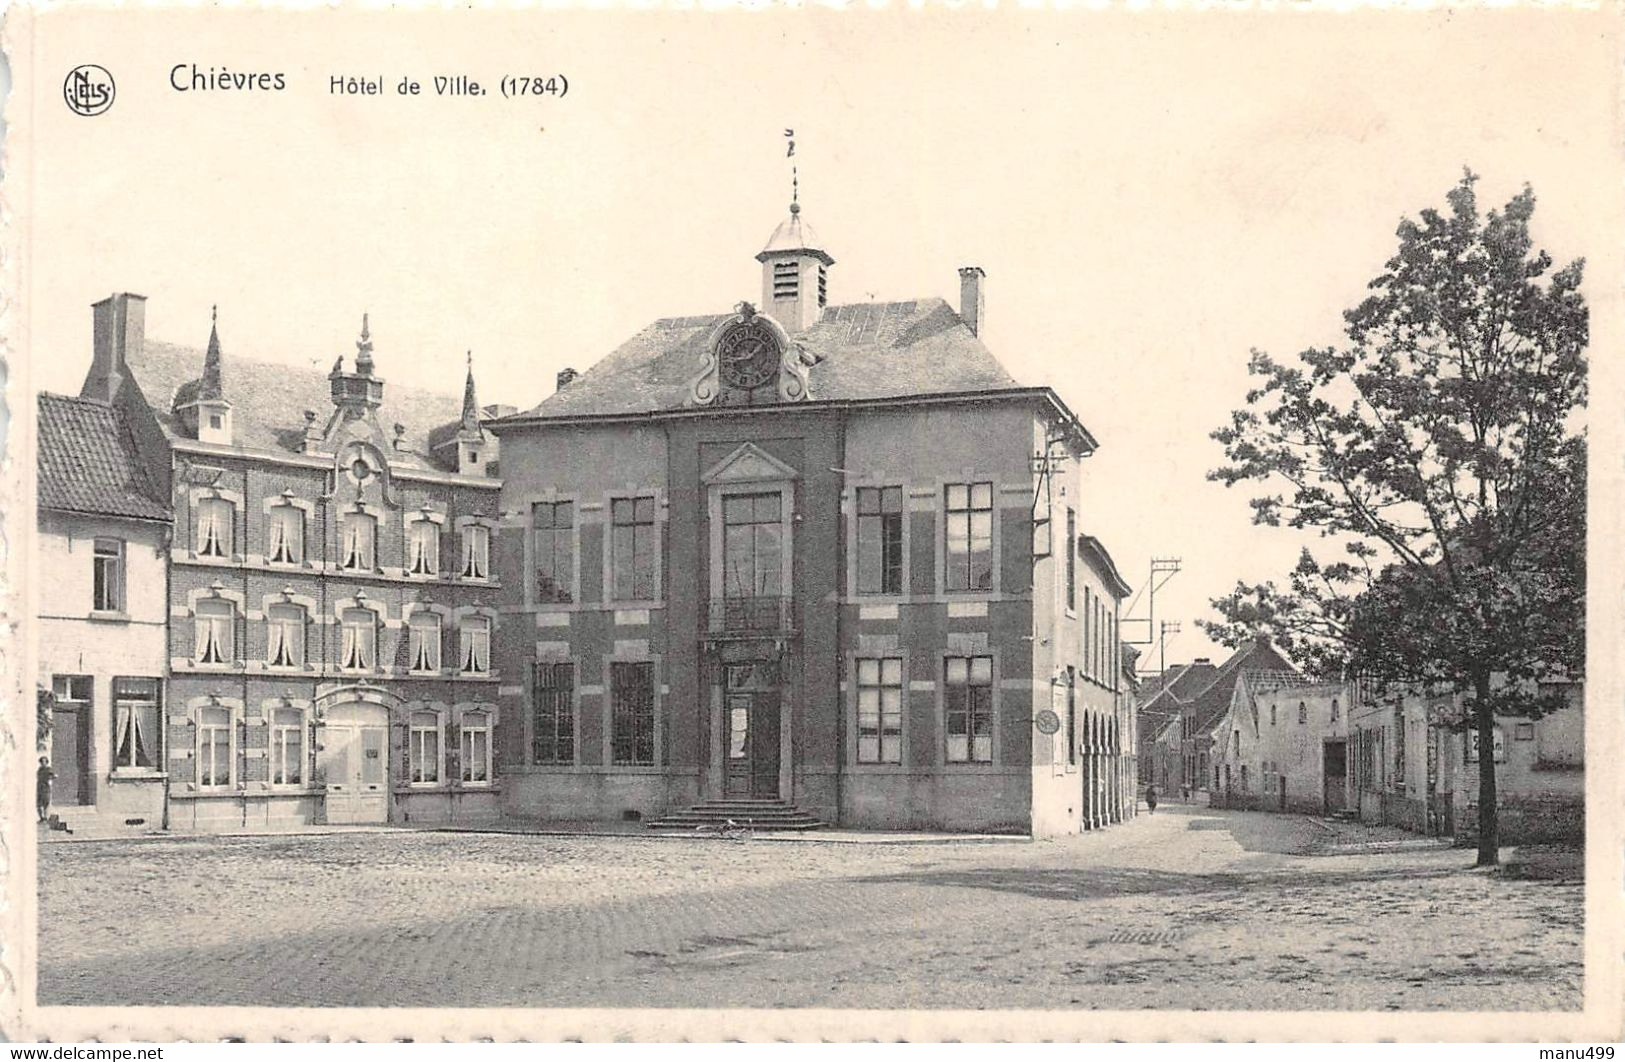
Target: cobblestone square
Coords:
[[1187, 909]]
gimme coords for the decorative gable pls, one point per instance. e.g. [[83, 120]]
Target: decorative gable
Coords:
[[749, 464]]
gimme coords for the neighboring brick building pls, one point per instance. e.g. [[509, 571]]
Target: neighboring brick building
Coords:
[[332, 587], [789, 555], [103, 520]]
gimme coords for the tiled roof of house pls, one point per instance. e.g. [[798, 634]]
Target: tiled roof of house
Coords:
[[1210, 705], [863, 350], [88, 462], [268, 399]]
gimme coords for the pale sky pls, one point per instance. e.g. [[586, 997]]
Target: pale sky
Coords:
[[1150, 195]]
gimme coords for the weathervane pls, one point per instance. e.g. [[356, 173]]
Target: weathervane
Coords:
[[795, 178]]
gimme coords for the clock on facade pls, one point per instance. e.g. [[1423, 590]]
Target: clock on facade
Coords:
[[748, 356]]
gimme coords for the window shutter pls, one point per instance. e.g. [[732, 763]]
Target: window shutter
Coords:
[[401, 767]]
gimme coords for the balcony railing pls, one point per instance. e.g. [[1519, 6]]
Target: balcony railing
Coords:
[[746, 616]]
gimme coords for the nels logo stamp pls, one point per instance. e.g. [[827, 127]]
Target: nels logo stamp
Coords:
[[88, 89]]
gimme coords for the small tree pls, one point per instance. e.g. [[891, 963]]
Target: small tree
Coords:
[[1439, 447]]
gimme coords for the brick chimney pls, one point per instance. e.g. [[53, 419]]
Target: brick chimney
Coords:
[[118, 327], [972, 298], [566, 377]]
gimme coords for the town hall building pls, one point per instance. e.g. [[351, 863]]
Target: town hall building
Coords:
[[811, 561]]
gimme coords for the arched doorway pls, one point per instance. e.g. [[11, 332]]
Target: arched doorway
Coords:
[[352, 745]]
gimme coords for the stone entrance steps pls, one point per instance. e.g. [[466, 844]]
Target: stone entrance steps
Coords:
[[738, 814]]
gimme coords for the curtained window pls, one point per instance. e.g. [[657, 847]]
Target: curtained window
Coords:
[[137, 731], [476, 552], [475, 649], [358, 537], [215, 517], [423, 547], [286, 535], [358, 640], [285, 636], [215, 643], [423, 642]]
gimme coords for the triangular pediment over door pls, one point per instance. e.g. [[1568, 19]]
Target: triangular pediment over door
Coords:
[[749, 464]]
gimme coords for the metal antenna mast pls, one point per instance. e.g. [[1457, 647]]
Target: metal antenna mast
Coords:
[[1162, 570]]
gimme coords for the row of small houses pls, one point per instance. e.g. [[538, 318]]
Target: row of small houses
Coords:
[[1255, 733]]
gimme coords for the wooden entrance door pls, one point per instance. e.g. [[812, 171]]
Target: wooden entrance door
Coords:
[[354, 754], [70, 756], [1335, 776], [751, 716]]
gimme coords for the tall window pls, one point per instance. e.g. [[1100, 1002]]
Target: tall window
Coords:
[[1071, 716], [107, 575], [1334, 709], [358, 542], [752, 545], [213, 748], [1071, 559], [970, 536], [476, 552], [968, 697], [285, 636], [880, 540], [1399, 745], [880, 710], [423, 642], [214, 527], [138, 734], [358, 640], [553, 738], [215, 641], [286, 542], [1088, 633], [423, 547], [1272, 714], [632, 737], [555, 550], [476, 747], [1303, 712], [474, 646], [287, 746], [633, 549], [423, 748]]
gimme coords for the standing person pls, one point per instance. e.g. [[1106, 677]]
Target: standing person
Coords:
[[42, 792], [1151, 798]]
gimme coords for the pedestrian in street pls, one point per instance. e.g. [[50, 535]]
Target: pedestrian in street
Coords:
[[42, 792], [1151, 798]]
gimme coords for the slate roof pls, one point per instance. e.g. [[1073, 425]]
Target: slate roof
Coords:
[[1210, 705], [268, 399], [864, 351], [88, 462]]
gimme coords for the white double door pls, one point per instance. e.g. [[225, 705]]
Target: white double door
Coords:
[[354, 749]]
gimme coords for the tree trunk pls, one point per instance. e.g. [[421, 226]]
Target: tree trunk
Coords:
[[1489, 830]]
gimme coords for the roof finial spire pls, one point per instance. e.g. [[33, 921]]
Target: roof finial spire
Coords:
[[363, 349], [211, 386], [471, 408], [795, 190]]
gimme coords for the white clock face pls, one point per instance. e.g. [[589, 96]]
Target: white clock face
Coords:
[[748, 356]]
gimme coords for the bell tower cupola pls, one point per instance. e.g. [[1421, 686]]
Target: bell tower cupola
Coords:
[[795, 272]]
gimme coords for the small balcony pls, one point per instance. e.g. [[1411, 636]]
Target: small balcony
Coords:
[[750, 617]]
